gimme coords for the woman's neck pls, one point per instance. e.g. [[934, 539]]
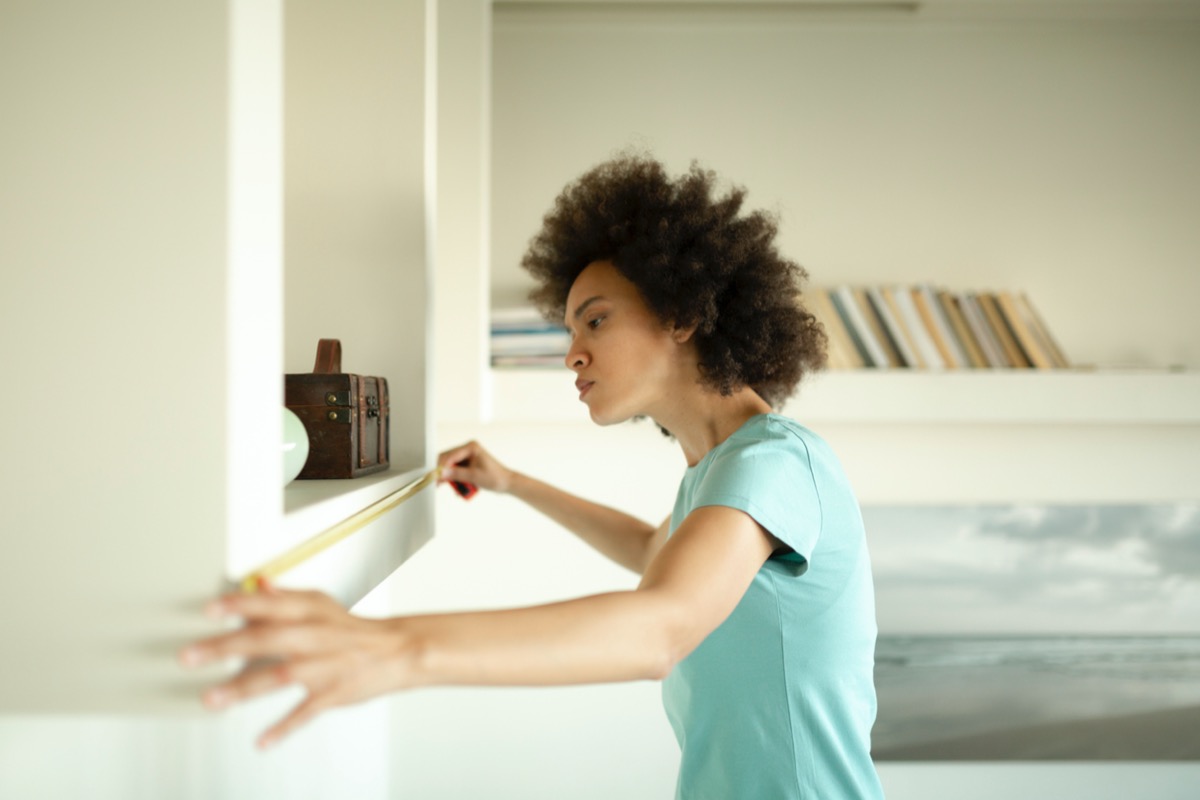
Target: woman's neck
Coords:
[[706, 418]]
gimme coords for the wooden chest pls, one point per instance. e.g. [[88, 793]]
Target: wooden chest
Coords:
[[346, 417]]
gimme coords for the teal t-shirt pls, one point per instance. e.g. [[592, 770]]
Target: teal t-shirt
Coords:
[[779, 700]]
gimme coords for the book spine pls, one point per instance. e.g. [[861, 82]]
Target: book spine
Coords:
[[1038, 326], [992, 350], [991, 311], [897, 317], [842, 353], [855, 342], [939, 329], [878, 332], [1021, 332], [916, 326], [555, 341], [527, 361], [893, 329], [856, 326], [834, 357], [962, 332]]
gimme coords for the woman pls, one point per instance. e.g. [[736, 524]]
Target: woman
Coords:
[[755, 606]]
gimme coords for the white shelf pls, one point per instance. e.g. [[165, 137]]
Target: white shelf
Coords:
[[925, 438], [352, 567], [355, 565], [902, 397], [1027, 397], [312, 506]]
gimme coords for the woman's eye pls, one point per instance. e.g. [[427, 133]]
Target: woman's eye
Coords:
[[594, 322]]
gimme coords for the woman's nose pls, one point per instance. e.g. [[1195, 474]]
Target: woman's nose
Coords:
[[577, 358]]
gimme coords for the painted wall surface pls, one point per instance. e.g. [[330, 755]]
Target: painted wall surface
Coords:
[[127, 221], [601, 742], [588, 742], [110, 217], [892, 154], [1050, 157], [1053, 157]]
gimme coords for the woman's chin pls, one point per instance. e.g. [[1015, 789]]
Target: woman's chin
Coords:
[[605, 417]]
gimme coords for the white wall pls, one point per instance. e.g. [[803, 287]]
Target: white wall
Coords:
[[904, 166], [588, 743], [598, 743], [123, 209], [1049, 157], [1055, 157]]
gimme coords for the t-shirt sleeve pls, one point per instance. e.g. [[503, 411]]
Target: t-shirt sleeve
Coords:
[[772, 480]]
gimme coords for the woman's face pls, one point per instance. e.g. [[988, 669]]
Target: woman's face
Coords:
[[627, 362]]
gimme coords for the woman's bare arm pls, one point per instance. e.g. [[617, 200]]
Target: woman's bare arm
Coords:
[[691, 586], [621, 537]]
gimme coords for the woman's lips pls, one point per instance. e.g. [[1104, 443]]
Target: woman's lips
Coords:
[[583, 387]]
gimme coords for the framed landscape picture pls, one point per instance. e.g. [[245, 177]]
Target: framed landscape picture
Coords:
[[1029, 633]]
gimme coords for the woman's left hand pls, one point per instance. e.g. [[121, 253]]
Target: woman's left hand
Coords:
[[305, 638]]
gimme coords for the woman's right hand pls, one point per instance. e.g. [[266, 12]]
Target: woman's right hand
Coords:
[[470, 463]]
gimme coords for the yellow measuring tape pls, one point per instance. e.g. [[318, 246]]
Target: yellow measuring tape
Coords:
[[331, 536]]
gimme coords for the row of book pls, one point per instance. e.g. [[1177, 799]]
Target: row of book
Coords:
[[927, 327], [520, 337], [916, 327]]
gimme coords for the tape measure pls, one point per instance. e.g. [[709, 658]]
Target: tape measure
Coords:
[[253, 582]]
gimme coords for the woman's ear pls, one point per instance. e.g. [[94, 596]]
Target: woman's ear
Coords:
[[681, 335]]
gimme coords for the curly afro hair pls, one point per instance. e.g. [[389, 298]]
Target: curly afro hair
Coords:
[[696, 263]]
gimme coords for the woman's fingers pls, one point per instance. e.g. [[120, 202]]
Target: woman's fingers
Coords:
[[297, 638], [318, 676], [258, 637], [471, 463], [256, 679], [448, 458], [275, 605], [301, 638], [259, 641], [299, 716]]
